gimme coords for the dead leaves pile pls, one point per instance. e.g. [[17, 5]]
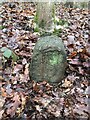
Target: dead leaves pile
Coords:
[[21, 98]]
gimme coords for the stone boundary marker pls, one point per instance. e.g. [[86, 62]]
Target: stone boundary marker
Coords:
[[48, 60]]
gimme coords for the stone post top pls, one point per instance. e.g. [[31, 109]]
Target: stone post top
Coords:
[[49, 43]]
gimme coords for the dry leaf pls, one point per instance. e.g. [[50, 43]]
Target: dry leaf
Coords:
[[66, 83], [1, 114]]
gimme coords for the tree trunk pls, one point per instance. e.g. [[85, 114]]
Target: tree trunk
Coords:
[[45, 15], [69, 4]]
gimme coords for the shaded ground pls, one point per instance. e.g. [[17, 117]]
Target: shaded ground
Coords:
[[23, 99]]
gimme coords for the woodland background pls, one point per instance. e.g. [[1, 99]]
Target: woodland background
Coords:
[[23, 99]]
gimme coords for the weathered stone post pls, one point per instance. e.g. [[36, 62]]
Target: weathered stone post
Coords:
[[48, 60]]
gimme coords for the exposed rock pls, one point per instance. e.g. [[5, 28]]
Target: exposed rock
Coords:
[[48, 60]]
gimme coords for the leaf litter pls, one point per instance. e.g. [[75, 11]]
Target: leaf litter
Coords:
[[21, 98]]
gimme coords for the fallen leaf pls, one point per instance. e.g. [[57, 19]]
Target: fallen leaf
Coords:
[[3, 92], [38, 108], [75, 62], [73, 54], [1, 114], [1, 78], [17, 68], [87, 91], [66, 83]]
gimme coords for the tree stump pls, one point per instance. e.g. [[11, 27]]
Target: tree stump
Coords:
[[48, 60]]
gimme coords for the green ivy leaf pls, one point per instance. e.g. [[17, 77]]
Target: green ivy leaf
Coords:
[[14, 57], [7, 53], [3, 49], [2, 27]]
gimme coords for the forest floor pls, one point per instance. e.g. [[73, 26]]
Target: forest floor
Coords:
[[23, 99]]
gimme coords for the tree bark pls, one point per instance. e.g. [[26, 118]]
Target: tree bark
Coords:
[[45, 15]]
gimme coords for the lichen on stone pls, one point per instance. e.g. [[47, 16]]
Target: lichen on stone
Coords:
[[48, 60]]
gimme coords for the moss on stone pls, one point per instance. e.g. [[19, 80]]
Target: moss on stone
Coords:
[[48, 60]]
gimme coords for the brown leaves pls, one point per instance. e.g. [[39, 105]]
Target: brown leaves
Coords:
[[1, 78], [17, 68], [42, 86], [82, 110], [87, 91], [75, 62], [73, 54], [67, 83], [2, 101], [3, 92], [31, 100], [12, 107]]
